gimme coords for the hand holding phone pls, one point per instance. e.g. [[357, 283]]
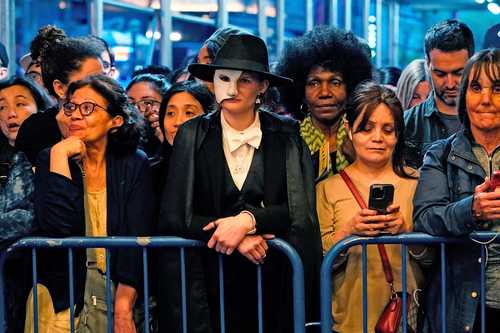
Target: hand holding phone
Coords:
[[495, 180]]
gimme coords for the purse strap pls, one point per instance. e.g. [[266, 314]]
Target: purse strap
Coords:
[[386, 265]]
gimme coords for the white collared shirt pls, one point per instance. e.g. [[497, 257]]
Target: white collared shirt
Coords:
[[239, 147]]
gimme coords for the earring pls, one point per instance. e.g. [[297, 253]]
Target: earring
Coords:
[[257, 100], [303, 108]]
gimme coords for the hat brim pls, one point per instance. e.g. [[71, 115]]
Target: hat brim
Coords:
[[206, 72]]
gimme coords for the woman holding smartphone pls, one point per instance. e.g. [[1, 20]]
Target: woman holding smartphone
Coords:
[[376, 128]]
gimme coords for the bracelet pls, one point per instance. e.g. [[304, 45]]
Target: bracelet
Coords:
[[254, 223]]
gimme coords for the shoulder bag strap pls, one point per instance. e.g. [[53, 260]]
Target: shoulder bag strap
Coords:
[[381, 248]]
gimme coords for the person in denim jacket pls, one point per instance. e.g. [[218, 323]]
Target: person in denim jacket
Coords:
[[453, 198], [19, 99]]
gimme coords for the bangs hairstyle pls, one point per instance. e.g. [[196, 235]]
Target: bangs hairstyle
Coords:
[[198, 90], [363, 103], [487, 61], [41, 99], [156, 81], [127, 137]]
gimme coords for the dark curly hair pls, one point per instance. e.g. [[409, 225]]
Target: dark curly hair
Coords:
[[198, 90], [64, 57], [127, 137], [363, 102], [46, 36], [331, 48]]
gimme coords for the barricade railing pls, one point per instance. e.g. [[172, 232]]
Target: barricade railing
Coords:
[[146, 243], [404, 240]]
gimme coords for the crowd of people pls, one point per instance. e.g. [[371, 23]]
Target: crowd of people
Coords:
[[235, 151]]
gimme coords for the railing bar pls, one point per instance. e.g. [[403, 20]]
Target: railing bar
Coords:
[[71, 292], [183, 290], [404, 251], [35, 290], [221, 294], [443, 287], [3, 287], [483, 289], [146, 288], [109, 303], [365, 284], [259, 298]]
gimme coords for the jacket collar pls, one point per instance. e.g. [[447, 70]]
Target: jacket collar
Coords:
[[462, 146], [268, 121], [430, 106]]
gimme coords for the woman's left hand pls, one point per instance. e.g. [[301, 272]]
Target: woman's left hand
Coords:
[[229, 232], [394, 221]]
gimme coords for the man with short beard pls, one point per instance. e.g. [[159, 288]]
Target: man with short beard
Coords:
[[448, 46]]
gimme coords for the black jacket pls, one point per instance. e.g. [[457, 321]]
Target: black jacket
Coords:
[[423, 127], [59, 210], [195, 183]]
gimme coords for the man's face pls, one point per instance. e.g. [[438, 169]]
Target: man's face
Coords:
[[446, 70]]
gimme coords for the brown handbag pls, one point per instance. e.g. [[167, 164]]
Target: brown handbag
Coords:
[[390, 319]]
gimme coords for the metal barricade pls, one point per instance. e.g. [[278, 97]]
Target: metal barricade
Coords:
[[404, 240], [145, 243]]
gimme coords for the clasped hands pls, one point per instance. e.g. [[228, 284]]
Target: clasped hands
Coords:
[[367, 222], [232, 233]]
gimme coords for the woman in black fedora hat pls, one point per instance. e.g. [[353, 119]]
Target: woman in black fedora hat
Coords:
[[239, 176]]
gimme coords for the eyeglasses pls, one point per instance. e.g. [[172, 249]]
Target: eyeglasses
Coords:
[[86, 108], [35, 76], [145, 104]]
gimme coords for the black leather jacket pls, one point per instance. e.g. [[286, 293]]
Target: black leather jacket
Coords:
[[423, 126]]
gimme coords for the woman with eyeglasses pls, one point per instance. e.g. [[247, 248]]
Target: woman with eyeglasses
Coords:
[[145, 91], [93, 183]]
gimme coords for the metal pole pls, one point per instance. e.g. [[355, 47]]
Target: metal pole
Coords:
[[96, 17], [379, 32], [166, 29], [280, 27], [334, 18], [8, 31], [396, 33], [309, 15], [262, 19], [348, 15], [391, 32], [222, 14], [366, 15]]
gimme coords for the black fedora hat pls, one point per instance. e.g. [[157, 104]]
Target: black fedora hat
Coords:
[[243, 52]]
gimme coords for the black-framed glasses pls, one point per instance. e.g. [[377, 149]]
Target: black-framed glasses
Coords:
[[86, 108], [144, 104]]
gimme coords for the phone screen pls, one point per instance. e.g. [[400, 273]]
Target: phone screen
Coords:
[[381, 197]]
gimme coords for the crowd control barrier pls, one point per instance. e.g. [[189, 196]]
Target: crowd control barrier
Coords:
[[146, 243], [404, 240]]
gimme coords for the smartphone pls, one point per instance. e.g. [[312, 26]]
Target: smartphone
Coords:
[[381, 197], [495, 180], [4, 172]]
